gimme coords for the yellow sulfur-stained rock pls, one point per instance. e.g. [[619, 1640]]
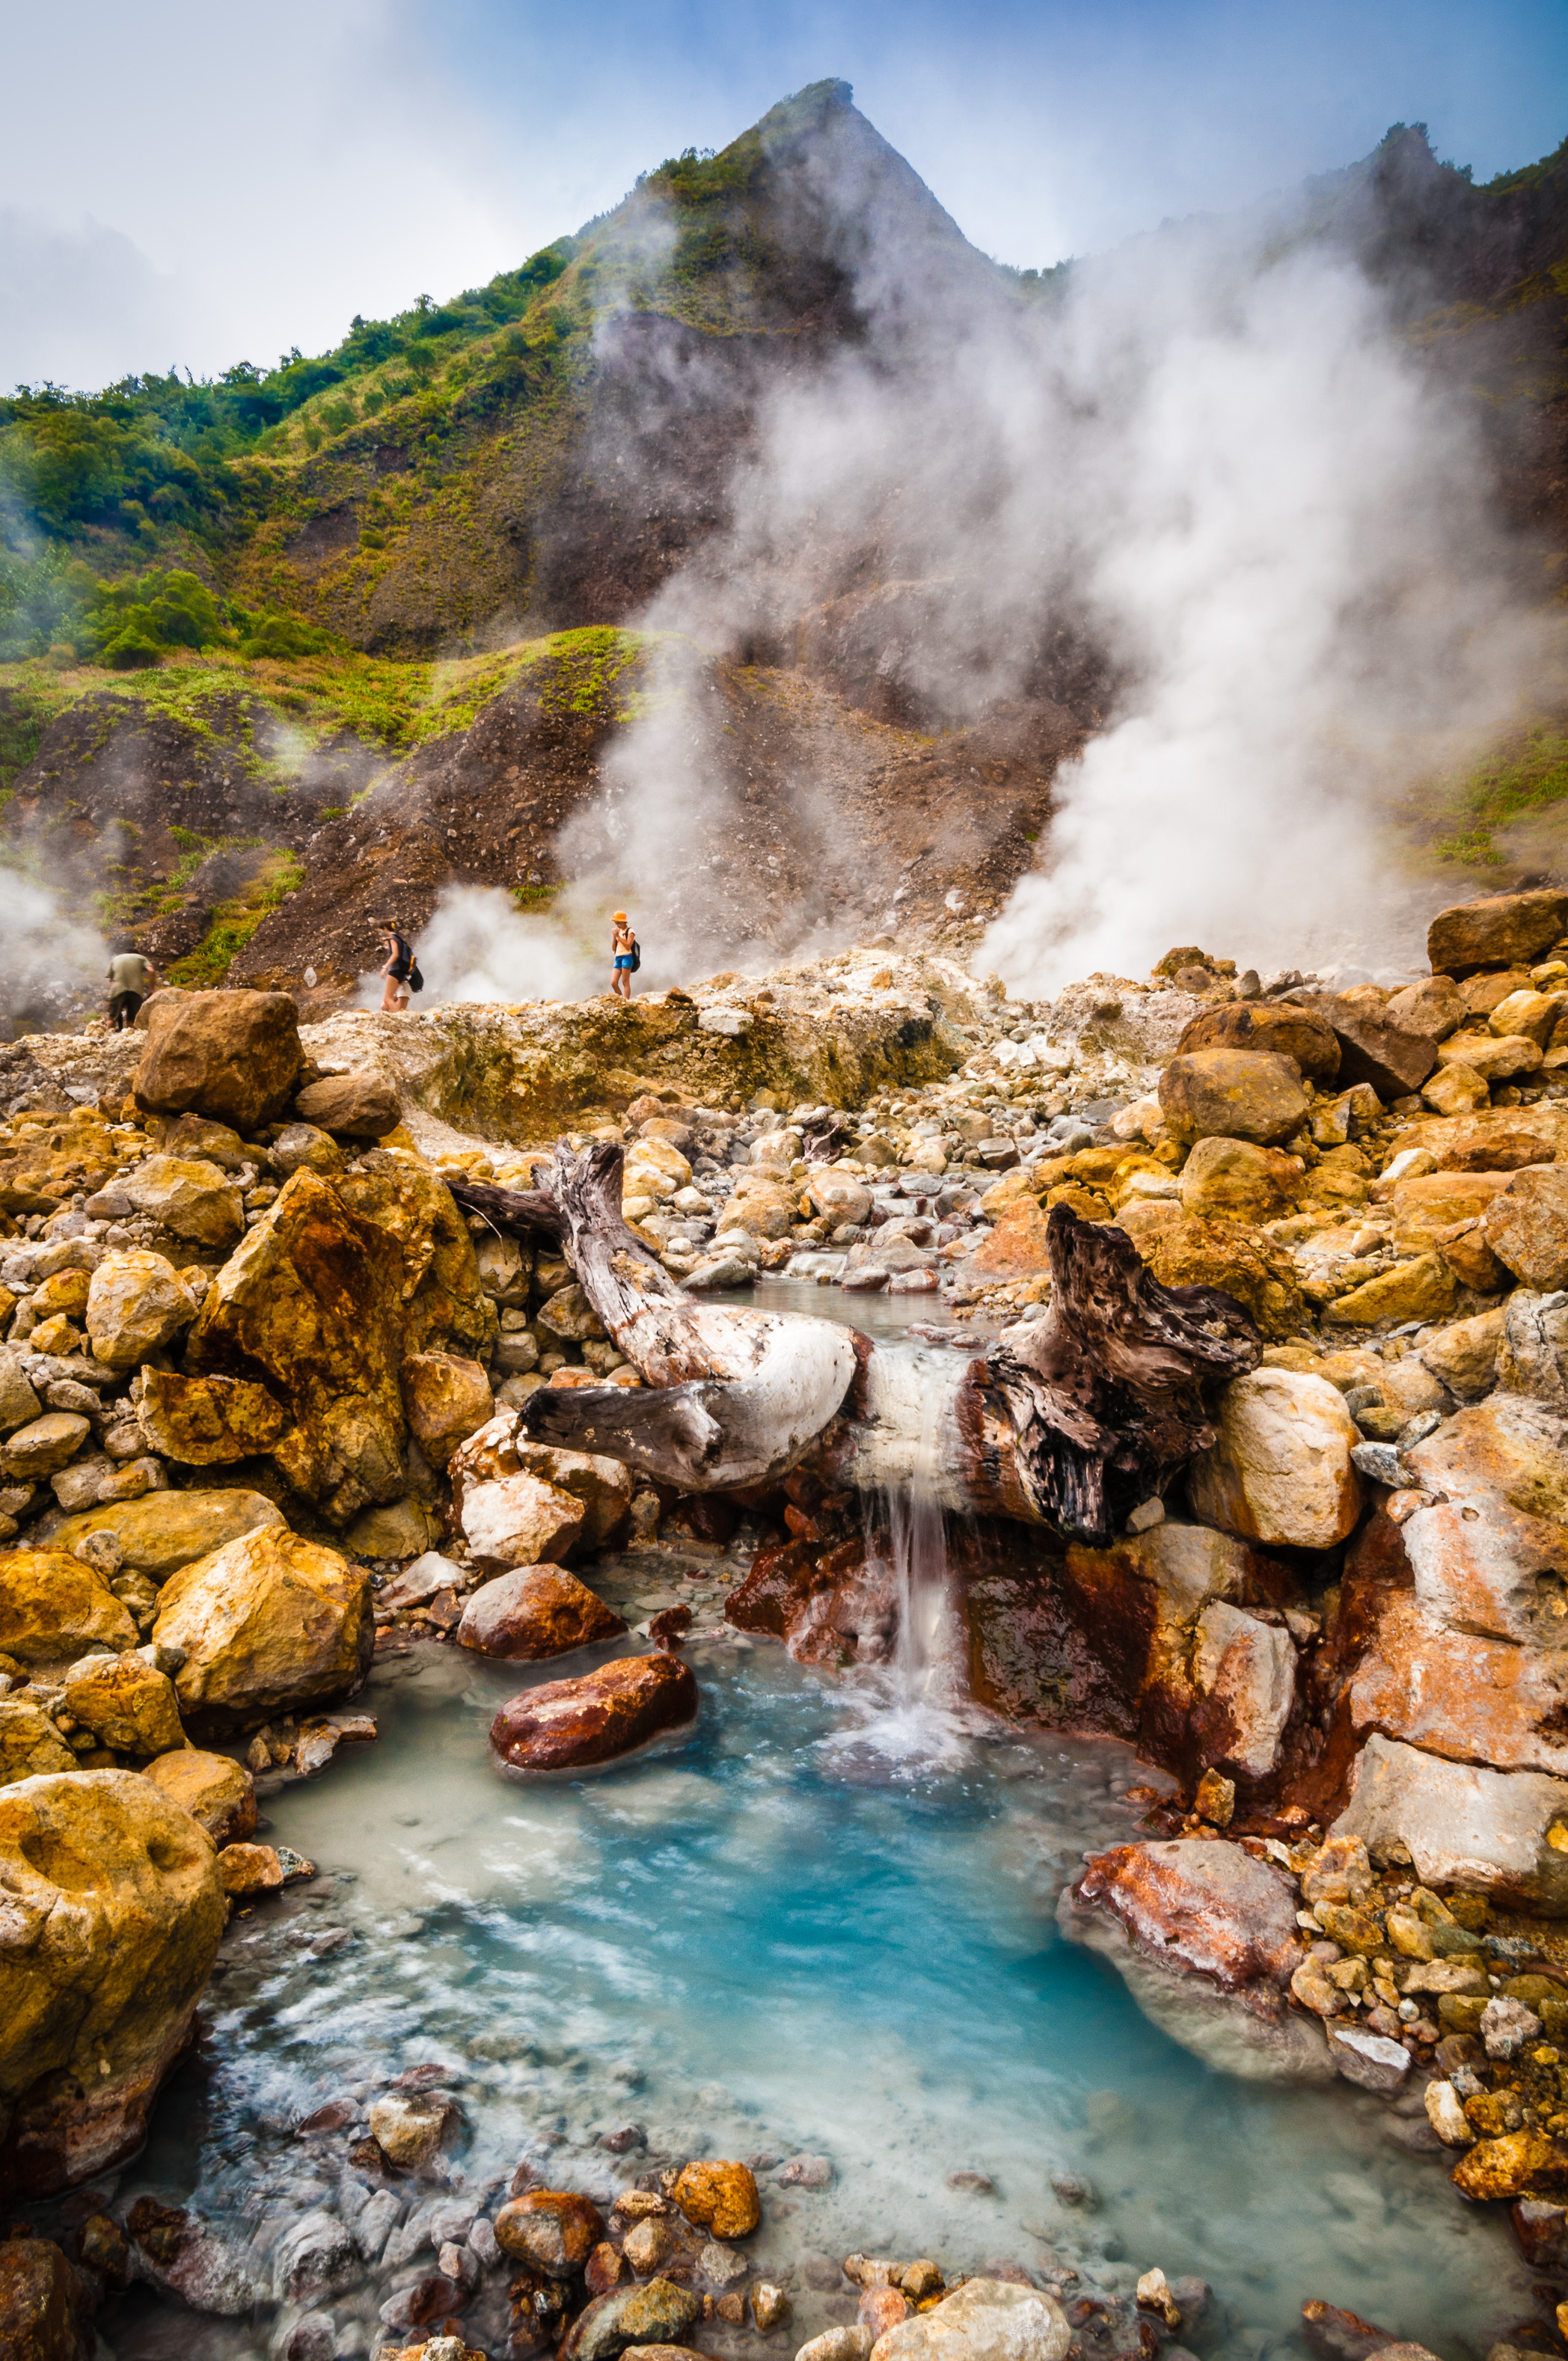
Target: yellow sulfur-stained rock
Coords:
[[1496, 1057], [1517, 2164], [54, 1605], [1431, 1203], [208, 1421], [189, 1198], [125, 1703], [216, 1791], [115, 1910], [1456, 1090], [137, 1303], [31, 1745], [1185, 1253], [1423, 1289], [329, 1292], [1236, 1181], [268, 1623], [250, 1869], [165, 1531], [445, 1400], [1465, 1356]]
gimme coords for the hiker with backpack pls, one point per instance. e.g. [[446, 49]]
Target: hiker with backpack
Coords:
[[627, 954], [400, 970]]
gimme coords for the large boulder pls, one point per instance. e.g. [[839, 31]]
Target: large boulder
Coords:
[[1279, 1028], [446, 1399], [1526, 1229], [1375, 1048], [52, 1606], [268, 1623], [1489, 1057], [1232, 1094], [534, 1612], [111, 1916], [125, 1702], [163, 1531], [357, 1106], [215, 1790], [235, 1055], [1280, 1469], [1496, 930], [46, 2311], [208, 1421], [1463, 1824], [187, 1198], [567, 1724], [985, 2320], [1430, 1202], [137, 1303], [1424, 1287], [1205, 1907], [338, 1283]]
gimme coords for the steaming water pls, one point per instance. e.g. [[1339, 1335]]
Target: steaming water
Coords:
[[821, 1920]]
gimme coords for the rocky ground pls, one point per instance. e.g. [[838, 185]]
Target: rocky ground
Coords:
[[261, 1397]]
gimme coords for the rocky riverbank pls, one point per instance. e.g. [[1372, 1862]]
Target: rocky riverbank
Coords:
[[269, 1395]]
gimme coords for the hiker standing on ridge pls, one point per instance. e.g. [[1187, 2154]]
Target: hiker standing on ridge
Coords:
[[627, 954], [131, 977]]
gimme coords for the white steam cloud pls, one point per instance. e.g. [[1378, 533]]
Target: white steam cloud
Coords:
[[51, 963], [1207, 499]]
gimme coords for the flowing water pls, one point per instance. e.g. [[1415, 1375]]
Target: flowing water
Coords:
[[821, 1921]]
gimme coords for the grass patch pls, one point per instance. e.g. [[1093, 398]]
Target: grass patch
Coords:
[[234, 922], [1527, 773]]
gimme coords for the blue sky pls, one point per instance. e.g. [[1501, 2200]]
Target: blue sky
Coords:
[[198, 184]]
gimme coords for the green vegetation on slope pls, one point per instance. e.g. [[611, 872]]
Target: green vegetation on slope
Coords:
[[1521, 779]]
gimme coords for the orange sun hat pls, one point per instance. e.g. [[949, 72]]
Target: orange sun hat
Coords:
[[619, 916]]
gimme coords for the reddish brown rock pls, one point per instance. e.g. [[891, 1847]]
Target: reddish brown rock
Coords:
[[1201, 1904], [1496, 930], [45, 2314], [235, 1055], [356, 1106], [534, 1612], [1016, 1247], [554, 2230], [1528, 1228], [606, 1713], [1281, 1028], [1375, 1048]]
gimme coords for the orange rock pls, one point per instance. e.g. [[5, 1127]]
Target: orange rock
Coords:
[[1520, 2164], [1016, 1247], [534, 1612], [554, 2229], [720, 2197], [1468, 1699]]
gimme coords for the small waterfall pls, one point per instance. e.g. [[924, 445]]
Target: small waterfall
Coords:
[[917, 1523]]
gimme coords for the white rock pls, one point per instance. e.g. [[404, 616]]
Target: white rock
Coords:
[[517, 1520], [1369, 2058], [1280, 1469], [1488, 1832], [1447, 2117], [985, 2320]]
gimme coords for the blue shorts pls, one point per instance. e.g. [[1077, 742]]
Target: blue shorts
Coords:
[[624, 962]]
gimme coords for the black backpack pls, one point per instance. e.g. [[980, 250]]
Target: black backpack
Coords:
[[636, 954], [416, 981]]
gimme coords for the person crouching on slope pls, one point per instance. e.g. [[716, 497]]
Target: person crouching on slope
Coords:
[[627, 955]]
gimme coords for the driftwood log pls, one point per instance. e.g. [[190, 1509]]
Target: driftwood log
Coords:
[[1069, 1421]]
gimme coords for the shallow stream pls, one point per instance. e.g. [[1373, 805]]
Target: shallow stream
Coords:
[[819, 1922]]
